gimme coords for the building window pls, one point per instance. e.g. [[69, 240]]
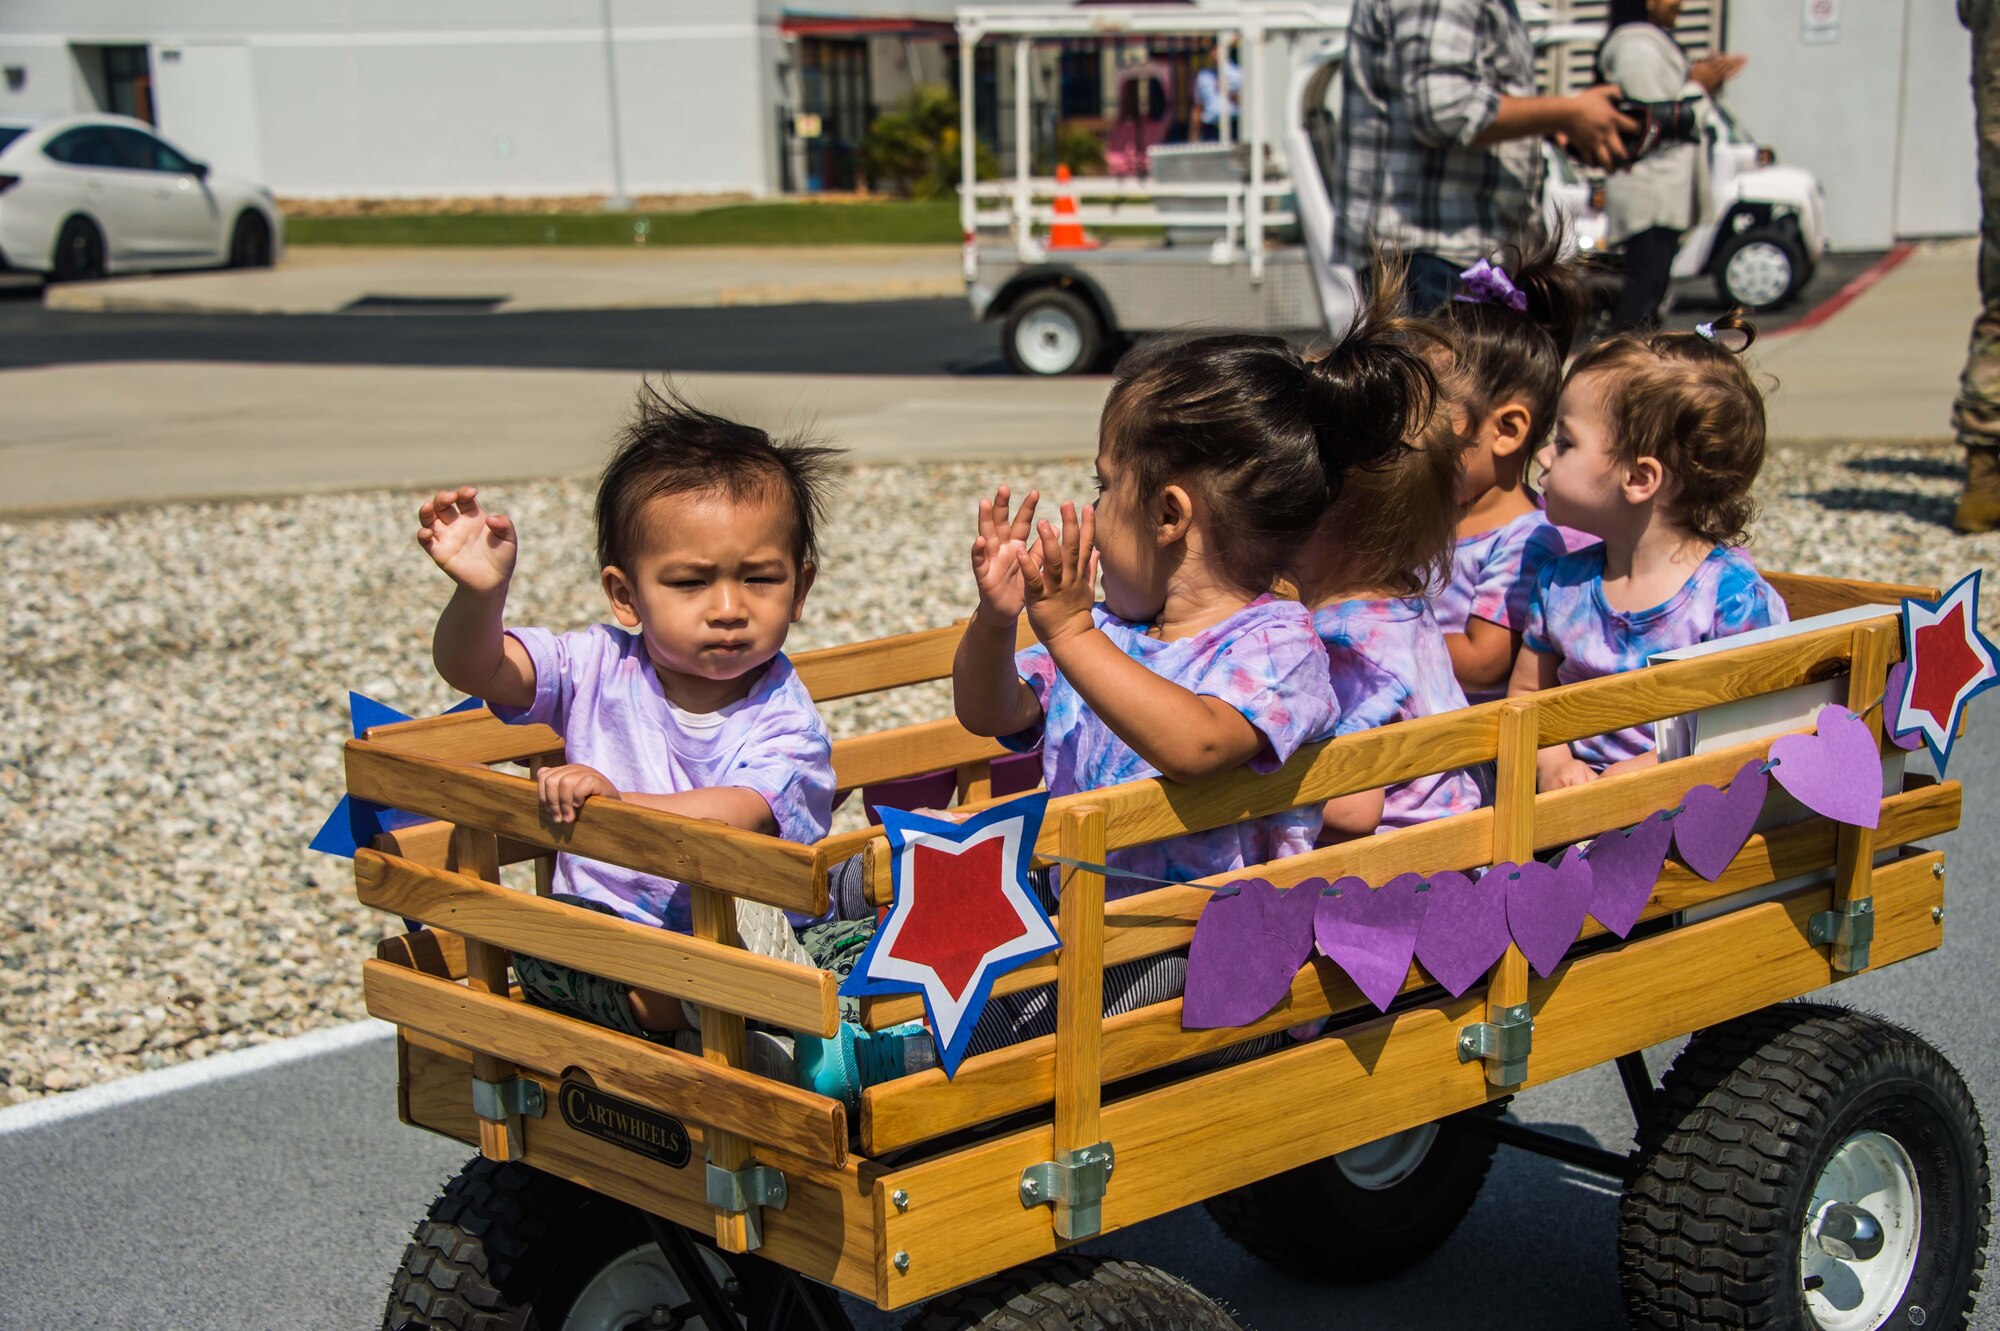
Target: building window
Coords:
[[833, 76], [1082, 78], [128, 82]]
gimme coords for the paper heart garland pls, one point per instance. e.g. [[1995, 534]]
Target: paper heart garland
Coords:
[[1714, 825], [1546, 906], [1892, 709], [1372, 934], [1835, 771], [1464, 929], [1248, 947], [1625, 867]]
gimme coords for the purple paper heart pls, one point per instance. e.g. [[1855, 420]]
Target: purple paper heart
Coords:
[[1625, 867], [1248, 947], [1464, 930], [1836, 772], [1372, 935], [1713, 825], [1892, 709], [1546, 905]]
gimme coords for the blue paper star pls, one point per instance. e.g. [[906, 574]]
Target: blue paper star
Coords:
[[355, 823]]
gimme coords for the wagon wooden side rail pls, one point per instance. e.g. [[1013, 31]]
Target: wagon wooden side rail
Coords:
[[902, 1204]]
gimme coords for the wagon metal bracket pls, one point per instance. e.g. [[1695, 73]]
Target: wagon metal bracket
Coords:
[[1503, 1044], [1849, 930], [1073, 1184], [497, 1101], [743, 1191]]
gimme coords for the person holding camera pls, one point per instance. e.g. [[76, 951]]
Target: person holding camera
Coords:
[[1441, 138], [1664, 192]]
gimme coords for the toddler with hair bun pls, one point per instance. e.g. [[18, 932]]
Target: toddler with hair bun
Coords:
[[1658, 441]]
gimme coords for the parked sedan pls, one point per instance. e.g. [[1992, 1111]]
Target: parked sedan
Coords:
[[83, 196]]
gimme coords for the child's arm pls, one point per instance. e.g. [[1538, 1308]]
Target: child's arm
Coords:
[[476, 550], [1484, 654], [1555, 766], [987, 692], [1349, 816], [1185, 735], [563, 790]]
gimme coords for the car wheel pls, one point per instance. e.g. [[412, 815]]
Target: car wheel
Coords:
[[1759, 269], [79, 255], [1051, 332], [250, 242]]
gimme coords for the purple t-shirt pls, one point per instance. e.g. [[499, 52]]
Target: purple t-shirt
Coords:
[[1264, 660], [1493, 576], [1388, 663], [598, 689], [1569, 617]]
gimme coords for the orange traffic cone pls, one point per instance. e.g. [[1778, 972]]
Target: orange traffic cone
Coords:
[[1065, 232]]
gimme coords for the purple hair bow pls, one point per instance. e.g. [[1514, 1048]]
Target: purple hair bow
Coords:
[[1487, 285]]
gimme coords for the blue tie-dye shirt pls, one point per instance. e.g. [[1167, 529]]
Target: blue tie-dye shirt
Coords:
[[1570, 618], [1388, 662], [1493, 577], [1264, 660]]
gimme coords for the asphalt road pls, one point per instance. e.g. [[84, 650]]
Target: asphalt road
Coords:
[[282, 1199], [888, 337]]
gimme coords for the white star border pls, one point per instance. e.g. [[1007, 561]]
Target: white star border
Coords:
[[1940, 732], [952, 1017]]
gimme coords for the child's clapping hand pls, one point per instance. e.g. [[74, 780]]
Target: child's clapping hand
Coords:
[[997, 552], [475, 548], [1060, 576], [562, 790]]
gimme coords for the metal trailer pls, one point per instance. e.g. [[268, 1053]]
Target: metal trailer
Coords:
[[1247, 229]]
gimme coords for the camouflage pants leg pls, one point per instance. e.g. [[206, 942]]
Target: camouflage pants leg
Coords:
[[1975, 417]]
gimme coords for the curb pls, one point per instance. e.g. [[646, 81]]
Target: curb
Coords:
[[92, 298]]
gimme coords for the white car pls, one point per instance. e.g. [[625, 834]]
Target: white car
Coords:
[[86, 196]]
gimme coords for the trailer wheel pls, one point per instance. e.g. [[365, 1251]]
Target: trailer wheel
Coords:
[[1364, 1214], [1759, 269], [1809, 1169], [509, 1248], [1074, 1292], [1051, 332]]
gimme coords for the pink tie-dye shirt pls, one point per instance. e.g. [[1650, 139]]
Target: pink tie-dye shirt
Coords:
[[597, 689], [1265, 661], [1493, 577], [1387, 662]]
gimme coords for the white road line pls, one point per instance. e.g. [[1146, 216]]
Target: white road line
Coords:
[[183, 1076]]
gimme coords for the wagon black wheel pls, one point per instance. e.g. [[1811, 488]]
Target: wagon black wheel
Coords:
[[1365, 1214], [79, 255], [1808, 1169], [250, 242], [1073, 1292], [509, 1248]]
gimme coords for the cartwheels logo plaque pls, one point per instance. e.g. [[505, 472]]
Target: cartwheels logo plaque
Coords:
[[633, 1127]]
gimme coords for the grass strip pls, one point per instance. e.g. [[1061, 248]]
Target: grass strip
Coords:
[[884, 223]]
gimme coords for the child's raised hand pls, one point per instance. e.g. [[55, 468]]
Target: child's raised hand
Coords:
[[1060, 576], [562, 790], [997, 552], [475, 548]]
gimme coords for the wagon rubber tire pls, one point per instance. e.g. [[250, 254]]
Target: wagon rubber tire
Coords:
[[1051, 332], [1316, 1223], [506, 1247], [250, 241], [1760, 298], [79, 255], [1073, 1292], [1716, 1229]]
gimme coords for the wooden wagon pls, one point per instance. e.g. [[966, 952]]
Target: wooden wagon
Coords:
[[627, 1184]]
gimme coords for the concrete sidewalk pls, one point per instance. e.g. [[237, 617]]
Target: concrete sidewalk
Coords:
[[326, 279], [104, 436]]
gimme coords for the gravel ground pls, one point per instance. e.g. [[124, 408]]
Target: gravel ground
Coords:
[[161, 773]]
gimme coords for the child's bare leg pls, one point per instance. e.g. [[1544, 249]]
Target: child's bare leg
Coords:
[[657, 1012]]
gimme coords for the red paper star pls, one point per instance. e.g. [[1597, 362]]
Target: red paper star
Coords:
[[958, 913], [1946, 663], [1950, 662]]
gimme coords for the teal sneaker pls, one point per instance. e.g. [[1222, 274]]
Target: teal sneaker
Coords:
[[840, 1067]]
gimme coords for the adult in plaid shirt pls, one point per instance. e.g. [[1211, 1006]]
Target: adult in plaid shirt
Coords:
[[1440, 137]]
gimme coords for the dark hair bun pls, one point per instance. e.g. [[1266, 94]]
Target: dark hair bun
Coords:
[[1370, 394]]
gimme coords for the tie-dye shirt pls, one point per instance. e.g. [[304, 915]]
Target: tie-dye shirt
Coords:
[[597, 689], [1570, 618], [1387, 662], [1264, 660], [1493, 577]]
